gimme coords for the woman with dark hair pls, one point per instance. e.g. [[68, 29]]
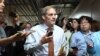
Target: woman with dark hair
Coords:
[[65, 24], [81, 40], [95, 26], [75, 25]]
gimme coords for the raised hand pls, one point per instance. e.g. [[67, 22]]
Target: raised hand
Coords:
[[46, 39]]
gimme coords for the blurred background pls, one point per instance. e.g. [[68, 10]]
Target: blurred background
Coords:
[[28, 10]]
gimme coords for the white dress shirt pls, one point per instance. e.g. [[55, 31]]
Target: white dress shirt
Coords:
[[32, 44]]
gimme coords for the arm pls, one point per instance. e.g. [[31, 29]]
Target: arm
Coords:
[[92, 49], [73, 41], [35, 42], [31, 45], [73, 44], [15, 37], [62, 51], [78, 41]]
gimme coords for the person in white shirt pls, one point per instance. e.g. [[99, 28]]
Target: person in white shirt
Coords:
[[37, 42]]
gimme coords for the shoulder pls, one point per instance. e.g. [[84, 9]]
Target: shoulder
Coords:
[[96, 34], [68, 32], [77, 33], [57, 28], [36, 27]]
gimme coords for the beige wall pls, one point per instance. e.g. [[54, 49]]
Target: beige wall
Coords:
[[89, 8]]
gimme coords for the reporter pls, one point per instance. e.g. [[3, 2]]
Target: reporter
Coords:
[[15, 37]]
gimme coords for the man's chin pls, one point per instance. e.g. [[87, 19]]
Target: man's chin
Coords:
[[53, 23]]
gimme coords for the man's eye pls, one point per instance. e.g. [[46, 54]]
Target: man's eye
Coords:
[[52, 14]]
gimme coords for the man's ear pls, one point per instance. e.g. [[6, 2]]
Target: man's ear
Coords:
[[43, 17]]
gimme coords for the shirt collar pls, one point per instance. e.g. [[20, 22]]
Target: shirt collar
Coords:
[[89, 33], [44, 26]]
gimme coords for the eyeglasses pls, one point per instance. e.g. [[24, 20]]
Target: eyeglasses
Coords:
[[84, 22]]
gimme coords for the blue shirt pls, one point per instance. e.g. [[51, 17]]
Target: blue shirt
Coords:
[[96, 39], [78, 40], [2, 35], [32, 44]]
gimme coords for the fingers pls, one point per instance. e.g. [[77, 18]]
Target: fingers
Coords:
[[90, 46], [46, 39], [26, 32], [62, 54], [21, 35]]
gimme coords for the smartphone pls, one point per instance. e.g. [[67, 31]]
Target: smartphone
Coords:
[[74, 48], [50, 33]]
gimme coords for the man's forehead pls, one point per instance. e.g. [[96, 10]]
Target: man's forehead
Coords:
[[51, 10]]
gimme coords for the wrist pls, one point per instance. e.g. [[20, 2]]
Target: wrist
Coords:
[[41, 42]]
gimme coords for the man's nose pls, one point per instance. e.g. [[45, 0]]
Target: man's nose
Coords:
[[3, 5]]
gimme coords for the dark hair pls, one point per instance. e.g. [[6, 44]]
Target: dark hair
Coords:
[[99, 25], [68, 25], [76, 20], [61, 24], [95, 26], [78, 29], [12, 14], [89, 19], [24, 25]]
